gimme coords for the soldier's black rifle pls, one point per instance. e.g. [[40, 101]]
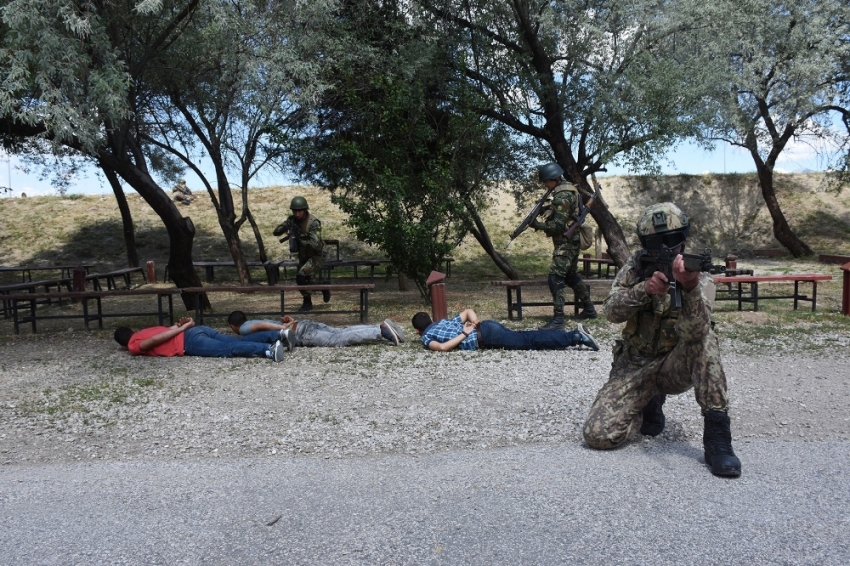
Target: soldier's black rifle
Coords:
[[535, 211], [584, 209], [662, 260], [292, 236]]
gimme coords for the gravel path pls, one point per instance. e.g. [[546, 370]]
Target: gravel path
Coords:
[[409, 457], [78, 397]]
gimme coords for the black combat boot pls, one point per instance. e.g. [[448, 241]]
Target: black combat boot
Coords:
[[588, 312], [307, 304], [653, 416], [326, 295], [717, 441], [557, 322]]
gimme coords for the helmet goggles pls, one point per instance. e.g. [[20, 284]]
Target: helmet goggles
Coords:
[[665, 240]]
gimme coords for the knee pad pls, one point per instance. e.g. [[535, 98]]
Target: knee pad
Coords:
[[556, 283], [302, 279], [572, 279]]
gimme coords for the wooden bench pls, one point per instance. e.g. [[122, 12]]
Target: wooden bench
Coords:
[[26, 270], [516, 303], [609, 264], [831, 258], [110, 277], [362, 288], [752, 296], [24, 306], [32, 287]]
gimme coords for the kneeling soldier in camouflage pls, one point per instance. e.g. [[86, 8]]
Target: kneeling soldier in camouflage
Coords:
[[663, 350]]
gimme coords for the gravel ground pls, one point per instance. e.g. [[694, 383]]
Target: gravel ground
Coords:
[[77, 397]]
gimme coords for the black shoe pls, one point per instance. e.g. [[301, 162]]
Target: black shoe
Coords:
[[326, 295], [653, 416], [307, 305], [589, 312], [557, 322], [717, 442]]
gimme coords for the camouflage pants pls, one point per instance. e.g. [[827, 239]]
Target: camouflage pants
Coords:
[[635, 379], [565, 267], [306, 270]]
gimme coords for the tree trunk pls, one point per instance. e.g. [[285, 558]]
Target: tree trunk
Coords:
[[781, 230], [126, 217], [181, 231], [480, 233]]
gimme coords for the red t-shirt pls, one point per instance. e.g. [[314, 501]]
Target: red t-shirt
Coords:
[[173, 347]]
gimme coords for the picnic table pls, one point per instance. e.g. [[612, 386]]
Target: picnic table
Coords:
[[752, 296]]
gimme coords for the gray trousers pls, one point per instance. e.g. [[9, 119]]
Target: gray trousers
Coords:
[[312, 333]]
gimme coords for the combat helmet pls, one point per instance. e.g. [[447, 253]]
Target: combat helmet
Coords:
[[662, 225], [298, 203], [549, 172]]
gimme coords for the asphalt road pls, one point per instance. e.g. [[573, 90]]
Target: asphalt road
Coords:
[[651, 502]]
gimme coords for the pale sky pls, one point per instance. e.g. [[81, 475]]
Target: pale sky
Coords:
[[687, 159]]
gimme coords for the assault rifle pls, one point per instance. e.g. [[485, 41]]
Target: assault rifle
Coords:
[[584, 208], [662, 260], [292, 236], [535, 211]]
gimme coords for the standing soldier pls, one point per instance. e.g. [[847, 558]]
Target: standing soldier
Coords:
[[662, 350], [305, 237], [564, 269]]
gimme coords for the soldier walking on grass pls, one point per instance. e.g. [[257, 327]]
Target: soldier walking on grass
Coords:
[[305, 238], [563, 271]]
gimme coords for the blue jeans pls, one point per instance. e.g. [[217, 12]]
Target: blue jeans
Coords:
[[492, 336], [209, 343]]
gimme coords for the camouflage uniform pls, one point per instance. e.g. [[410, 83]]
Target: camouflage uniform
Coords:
[[564, 265], [661, 351], [310, 246]]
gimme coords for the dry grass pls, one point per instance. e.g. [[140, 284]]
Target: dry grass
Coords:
[[726, 212]]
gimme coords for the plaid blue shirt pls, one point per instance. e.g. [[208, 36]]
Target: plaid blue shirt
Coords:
[[446, 329]]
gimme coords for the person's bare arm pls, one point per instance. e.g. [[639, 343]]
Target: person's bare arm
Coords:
[[469, 316], [182, 325], [468, 327], [260, 326]]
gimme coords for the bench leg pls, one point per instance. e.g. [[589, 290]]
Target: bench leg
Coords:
[[199, 313], [519, 303], [814, 295], [364, 306], [755, 292]]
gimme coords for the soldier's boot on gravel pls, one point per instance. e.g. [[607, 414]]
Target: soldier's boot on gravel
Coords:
[[588, 312], [717, 441], [307, 304], [557, 322], [653, 416]]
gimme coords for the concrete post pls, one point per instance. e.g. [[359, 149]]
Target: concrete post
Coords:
[[437, 290]]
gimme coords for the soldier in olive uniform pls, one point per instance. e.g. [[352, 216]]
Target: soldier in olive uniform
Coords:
[[305, 236], [563, 271], [662, 350]]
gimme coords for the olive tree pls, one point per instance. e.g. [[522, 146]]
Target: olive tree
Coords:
[[590, 82], [782, 78]]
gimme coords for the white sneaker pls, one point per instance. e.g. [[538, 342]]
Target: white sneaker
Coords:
[[396, 329], [277, 351], [286, 338]]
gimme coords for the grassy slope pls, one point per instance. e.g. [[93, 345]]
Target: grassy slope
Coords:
[[726, 213]]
